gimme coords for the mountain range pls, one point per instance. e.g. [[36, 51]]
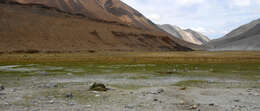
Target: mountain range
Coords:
[[187, 35], [79, 25], [246, 37], [103, 25], [110, 10]]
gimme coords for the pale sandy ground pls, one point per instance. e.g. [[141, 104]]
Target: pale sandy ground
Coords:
[[154, 94]]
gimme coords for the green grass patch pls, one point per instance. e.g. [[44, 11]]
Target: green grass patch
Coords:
[[232, 71]]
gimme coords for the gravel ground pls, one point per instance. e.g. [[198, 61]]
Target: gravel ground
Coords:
[[71, 93]]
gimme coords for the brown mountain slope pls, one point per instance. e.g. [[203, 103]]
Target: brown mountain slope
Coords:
[[111, 10], [32, 28]]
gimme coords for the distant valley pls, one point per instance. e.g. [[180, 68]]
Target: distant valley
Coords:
[[245, 37]]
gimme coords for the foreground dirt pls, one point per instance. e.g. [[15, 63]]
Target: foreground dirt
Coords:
[[71, 93]]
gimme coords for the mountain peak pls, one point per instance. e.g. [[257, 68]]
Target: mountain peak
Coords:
[[189, 30], [188, 35]]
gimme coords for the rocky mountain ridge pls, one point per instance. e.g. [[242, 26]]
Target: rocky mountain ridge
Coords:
[[187, 35], [245, 37]]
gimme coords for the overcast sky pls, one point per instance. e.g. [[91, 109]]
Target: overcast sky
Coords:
[[213, 18]]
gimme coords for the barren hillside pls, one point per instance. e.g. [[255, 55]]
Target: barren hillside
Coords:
[[246, 37], [33, 28], [111, 10]]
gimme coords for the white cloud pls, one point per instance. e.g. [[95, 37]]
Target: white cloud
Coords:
[[189, 2], [203, 30], [241, 2], [200, 29], [257, 1], [154, 17]]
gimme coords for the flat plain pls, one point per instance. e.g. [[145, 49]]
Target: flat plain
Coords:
[[147, 81]]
